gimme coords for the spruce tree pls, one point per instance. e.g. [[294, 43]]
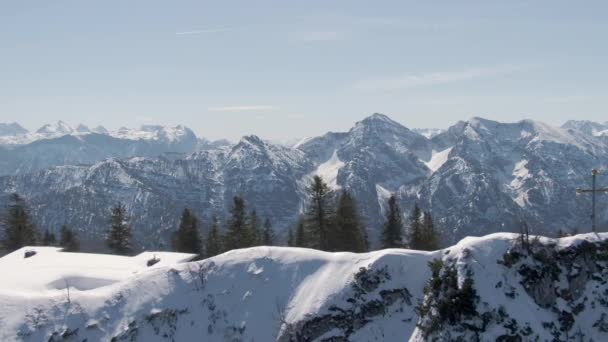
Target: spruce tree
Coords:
[[348, 233], [429, 233], [119, 234], [291, 242], [49, 238], [300, 239], [19, 230], [319, 215], [187, 238], [238, 233], [392, 234], [213, 245], [268, 233], [68, 240], [415, 230], [254, 233]]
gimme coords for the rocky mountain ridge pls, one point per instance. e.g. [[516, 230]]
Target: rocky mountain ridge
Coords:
[[477, 177]]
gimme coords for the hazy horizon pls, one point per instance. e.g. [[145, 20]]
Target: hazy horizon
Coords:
[[286, 70]]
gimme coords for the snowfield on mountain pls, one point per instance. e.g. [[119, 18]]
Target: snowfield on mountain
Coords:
[[499, 287], [477, 177]]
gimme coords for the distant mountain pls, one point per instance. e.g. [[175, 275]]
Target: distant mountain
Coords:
[[428, 132], [11, 129], [59, 144], [477, 177], [587, 127]]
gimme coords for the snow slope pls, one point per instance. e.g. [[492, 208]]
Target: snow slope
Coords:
[[294, 294]]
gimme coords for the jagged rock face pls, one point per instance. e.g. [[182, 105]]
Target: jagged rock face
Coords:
[[588, 127], [544, 290], [490, 177], [501, 174], [376, 152], [478, 290], [155, 190]]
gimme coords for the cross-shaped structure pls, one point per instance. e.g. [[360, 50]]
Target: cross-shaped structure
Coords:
[[593, 191]]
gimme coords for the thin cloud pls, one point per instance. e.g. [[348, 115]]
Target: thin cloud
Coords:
[[434, 78], [319, 36], [239, 108], [211, 30]]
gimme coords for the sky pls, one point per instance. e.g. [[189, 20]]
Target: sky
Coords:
[[290, 69]]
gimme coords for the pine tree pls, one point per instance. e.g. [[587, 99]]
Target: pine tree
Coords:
[[319, 215], [392, 234], [348, 233], [49, 238], [119, 235], [254, 233], [68, 240], [187, 238], [291, 242], [237, 234], [213, 245], [19, 230], [300, 238], [429, 233], [268, 233], [415, 230]]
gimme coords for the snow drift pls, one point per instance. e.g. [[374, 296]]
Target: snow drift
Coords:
[[294, 294]]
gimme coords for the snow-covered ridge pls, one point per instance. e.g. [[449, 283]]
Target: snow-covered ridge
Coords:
[[16, 136], [293, 294]]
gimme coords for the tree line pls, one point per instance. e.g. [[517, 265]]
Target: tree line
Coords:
[[330, 222]]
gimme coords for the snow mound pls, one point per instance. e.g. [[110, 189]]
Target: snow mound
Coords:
[[289, 294], [57, 270]]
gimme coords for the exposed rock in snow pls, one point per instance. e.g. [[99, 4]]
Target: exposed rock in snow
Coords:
[[478, 182], [480, 289]]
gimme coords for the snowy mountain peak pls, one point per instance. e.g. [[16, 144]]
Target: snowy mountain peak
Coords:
[[590, 128], [83, 129], [11, 129], [378, 120], [59, 128], [100, 130]]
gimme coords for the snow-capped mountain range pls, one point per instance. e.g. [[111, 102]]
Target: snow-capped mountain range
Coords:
[[14, 134], [491, 288], [476, 177]]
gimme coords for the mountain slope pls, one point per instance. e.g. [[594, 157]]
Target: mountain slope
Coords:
[[155, 190], [500, 174], [553, 289], [477, 177]]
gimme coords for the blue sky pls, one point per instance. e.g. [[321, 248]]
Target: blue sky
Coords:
[[288, 69]]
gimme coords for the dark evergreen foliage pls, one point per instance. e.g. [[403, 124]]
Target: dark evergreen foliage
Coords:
[[430, 235], [415, 232], [187, 238], [68, 240], [318, 219], [300, 238], [238, 233], [347, 234], [213, 245], [255, 233], [119, 235], [392, 234], [49, 238], [19, 230], [291, 241], [268, 233]]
